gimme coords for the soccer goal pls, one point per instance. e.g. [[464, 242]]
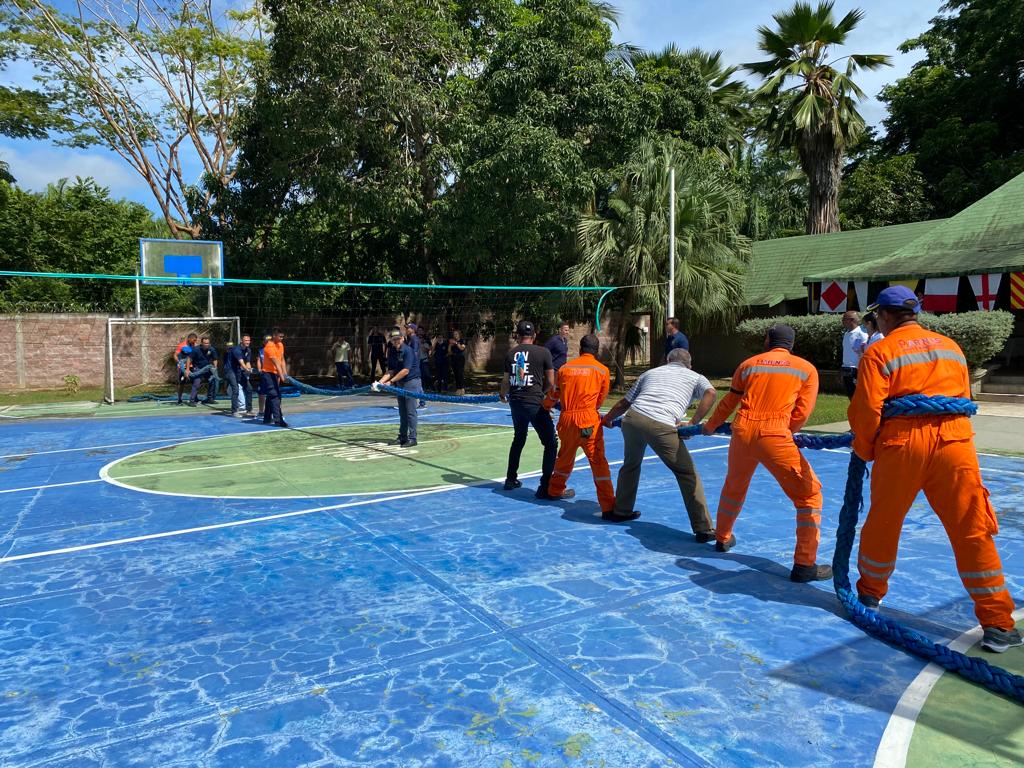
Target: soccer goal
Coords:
[[140, 350]]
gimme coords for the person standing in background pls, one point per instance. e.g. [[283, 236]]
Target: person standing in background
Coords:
[[457, 355], [272, 376], [853, 346], [558, 346], [674, 338], [378, 353], [342, 351], [440, 347]]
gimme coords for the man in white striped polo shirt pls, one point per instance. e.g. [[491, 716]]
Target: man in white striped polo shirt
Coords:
[[657, 406]]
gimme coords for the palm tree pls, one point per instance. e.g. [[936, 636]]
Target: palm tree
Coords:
[[817, 116], [627, 244]]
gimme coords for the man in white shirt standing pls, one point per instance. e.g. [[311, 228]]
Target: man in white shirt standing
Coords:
[[853, 346], [656, 408]]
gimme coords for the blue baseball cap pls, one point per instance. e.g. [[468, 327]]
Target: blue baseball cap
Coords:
[[897, 297]]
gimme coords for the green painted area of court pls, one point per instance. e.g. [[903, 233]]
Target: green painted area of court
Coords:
[[963, 725], [325, 461]]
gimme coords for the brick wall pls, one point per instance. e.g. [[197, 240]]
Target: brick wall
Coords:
[[39, 350]]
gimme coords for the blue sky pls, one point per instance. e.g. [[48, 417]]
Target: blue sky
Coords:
[[728, 25]]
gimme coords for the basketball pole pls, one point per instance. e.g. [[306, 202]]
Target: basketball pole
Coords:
[[209, 297]]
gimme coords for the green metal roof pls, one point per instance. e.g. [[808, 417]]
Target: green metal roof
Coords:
[[778, 267], [987, 236]]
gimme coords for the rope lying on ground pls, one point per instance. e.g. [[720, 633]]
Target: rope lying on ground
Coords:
[[426, 396]]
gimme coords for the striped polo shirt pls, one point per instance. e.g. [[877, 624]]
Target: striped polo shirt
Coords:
[[664, 393]]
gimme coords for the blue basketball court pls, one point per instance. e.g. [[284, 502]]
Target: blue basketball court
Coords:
[[183, 589]]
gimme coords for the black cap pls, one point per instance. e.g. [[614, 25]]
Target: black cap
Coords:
[[525, 328], [781, 336], [590, 343]]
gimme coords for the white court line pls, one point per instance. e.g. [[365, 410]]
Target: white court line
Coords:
[[895, 743], [186, 439], [51, 485], [283, 515]]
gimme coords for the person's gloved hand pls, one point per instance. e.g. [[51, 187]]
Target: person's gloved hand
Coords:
[[375, 386]]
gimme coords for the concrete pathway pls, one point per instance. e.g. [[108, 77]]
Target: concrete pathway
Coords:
[[997, 427]]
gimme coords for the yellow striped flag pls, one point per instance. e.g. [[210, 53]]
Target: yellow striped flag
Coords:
[[1017, 290]]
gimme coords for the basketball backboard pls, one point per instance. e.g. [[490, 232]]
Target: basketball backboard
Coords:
[[181, 259]]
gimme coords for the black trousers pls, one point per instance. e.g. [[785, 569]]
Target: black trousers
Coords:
[[459, 371], [523, 416], [849, 381]]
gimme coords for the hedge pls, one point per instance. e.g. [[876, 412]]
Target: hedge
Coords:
[[981, 335]]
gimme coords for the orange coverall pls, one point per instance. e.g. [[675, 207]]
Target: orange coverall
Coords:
[[935, 454], [776, 392], [583, 385]]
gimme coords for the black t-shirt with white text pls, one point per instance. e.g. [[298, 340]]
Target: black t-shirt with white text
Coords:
[[527, 366]]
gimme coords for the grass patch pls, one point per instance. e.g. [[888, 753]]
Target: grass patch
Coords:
[[85, 394]]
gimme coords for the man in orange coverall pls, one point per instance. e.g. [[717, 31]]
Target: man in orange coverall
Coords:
[[776, 392], [583, 385], [931, 453]]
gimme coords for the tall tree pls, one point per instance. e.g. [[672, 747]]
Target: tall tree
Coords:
[[960, 110], [156, 81], [548, 120], [818, 115], [882, 191], [628, 243]]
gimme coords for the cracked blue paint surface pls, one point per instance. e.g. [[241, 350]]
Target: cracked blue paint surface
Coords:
[[464, 628]]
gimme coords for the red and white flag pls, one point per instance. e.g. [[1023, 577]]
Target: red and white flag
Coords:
[[986, 287], [940, 294], [833, 297]]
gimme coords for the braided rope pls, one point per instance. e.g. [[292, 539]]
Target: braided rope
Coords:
[[871, 621]]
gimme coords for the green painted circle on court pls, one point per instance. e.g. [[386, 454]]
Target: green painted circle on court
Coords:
[[323, 461]]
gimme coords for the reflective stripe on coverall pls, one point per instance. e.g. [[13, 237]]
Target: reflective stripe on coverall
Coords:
[[935, 454], [776, 392], [583, 385]]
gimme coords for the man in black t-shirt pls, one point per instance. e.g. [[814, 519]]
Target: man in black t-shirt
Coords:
[[528, 375]]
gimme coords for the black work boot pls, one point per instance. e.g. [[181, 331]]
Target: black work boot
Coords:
[[804, 573], [725, 546]]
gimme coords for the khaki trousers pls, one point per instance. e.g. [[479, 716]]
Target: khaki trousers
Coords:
[[638, 432]]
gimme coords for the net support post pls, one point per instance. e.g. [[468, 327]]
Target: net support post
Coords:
[[209, 300], [108, 396], [138, 298]]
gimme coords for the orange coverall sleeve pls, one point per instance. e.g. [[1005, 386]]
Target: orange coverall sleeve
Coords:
[[806, 399], [606, 385], [865, 410], [728, 403]]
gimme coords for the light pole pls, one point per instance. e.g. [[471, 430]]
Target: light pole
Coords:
[[671, 242]]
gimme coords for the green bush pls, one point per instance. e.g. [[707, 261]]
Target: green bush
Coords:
[[981, 335], [819, 338]]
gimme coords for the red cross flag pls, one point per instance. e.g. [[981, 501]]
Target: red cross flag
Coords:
[[985, 289], [833, 297]]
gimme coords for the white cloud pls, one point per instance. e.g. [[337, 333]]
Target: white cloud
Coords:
[[35, 165]]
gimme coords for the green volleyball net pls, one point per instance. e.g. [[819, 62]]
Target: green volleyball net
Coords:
[[119, 332]]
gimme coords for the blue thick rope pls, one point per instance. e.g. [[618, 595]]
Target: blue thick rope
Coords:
[[871, 621], [426, 396]]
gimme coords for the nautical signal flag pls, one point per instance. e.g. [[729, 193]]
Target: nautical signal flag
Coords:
[[833, 297], [986, 287], [1017, 290], [940, 294]]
